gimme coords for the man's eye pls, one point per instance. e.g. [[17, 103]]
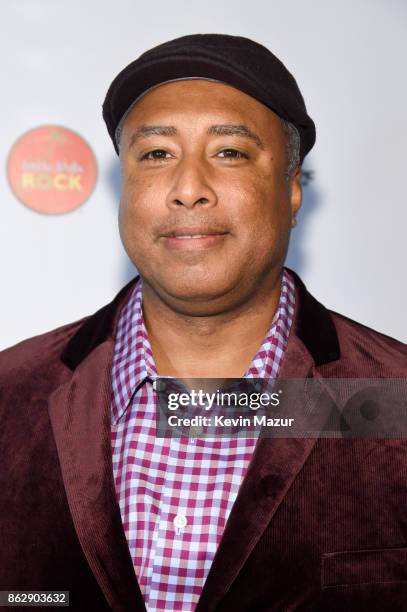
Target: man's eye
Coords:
[[156, 155], [232, 154]]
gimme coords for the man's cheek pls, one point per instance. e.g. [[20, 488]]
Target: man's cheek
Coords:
[[132, 210]]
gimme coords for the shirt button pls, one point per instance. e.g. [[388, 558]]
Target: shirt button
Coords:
[[180, 521]]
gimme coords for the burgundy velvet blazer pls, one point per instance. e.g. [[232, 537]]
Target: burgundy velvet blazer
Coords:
[[319, 524]]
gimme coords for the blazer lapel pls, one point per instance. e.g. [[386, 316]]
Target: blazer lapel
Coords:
[[274, 466], [80, 416]]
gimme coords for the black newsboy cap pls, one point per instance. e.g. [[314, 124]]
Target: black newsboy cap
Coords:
[[233, 60]]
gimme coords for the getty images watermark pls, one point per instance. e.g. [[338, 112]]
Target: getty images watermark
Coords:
[[251, 407], [200, 399]]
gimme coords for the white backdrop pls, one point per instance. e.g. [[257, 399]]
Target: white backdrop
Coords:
[[348, 57]]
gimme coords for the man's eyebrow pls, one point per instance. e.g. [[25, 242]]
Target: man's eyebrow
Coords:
[[235, 130], [216, 130], [150, 130]]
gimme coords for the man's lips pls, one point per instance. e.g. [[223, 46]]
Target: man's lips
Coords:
[[193, 232], [190, 238]]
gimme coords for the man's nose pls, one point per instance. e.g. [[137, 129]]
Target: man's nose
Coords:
[[191, 185]]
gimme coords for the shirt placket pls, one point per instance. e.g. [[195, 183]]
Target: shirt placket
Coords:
[[172, 521]]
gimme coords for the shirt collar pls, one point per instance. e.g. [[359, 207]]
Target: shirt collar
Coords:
[[133, 361], [266, 362]]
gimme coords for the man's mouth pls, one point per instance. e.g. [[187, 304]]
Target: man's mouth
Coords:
[[191, 238], [193, 232]]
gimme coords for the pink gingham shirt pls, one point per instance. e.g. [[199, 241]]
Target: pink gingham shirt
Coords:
[[159, 479]]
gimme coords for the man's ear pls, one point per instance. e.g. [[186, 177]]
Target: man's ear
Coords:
[[295, 194]]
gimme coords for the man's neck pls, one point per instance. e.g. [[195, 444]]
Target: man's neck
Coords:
[[216, 346]]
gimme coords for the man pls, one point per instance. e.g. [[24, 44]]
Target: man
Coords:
[[211, 132]]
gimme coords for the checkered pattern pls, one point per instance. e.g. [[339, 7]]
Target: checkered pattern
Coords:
[[158, 479]]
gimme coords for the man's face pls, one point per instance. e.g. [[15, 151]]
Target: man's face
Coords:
[[206, 208]]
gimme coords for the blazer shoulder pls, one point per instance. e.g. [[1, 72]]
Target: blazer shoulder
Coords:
[[36, 352], [363, 348], [41, 362]]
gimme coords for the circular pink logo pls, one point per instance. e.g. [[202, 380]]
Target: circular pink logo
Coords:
[[51, 169]]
